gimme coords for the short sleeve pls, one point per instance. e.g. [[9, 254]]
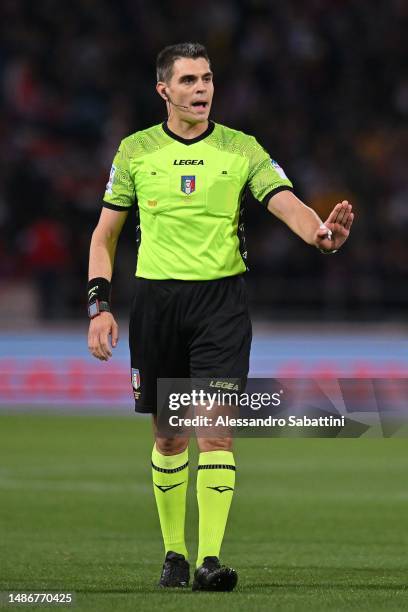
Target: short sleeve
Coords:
[[265, 177], [120, 188]]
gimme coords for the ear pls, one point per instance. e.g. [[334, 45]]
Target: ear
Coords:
[[161, 90]]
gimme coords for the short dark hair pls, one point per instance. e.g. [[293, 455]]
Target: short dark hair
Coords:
[[168, 55]]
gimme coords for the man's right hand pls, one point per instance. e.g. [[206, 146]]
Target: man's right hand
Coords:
[[100, 328]]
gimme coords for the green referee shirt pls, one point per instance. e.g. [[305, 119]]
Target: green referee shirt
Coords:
[[189, 195]]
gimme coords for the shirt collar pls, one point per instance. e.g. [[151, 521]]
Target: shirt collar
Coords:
[[189, 141]]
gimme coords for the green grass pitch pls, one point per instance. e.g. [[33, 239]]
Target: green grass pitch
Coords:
[[314, 524]]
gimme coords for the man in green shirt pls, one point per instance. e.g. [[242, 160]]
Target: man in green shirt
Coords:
[[190, 317]]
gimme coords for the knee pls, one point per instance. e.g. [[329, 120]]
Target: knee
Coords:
[[214, 444], [171, 446]]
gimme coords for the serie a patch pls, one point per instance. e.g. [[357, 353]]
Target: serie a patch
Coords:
[[109, 184], [278, 169]]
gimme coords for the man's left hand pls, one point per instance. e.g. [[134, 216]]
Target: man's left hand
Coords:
[[338, 224]]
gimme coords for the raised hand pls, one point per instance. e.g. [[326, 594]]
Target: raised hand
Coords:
[[335, 231]]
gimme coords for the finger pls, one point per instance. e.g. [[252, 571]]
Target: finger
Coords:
[[96, 352], [333, 215], [115, 334], [346, 214], [338, 212], [104, 350], [345, 218], [93, 345], [104, 345], [342, 211], [341, 214], [349, 221]]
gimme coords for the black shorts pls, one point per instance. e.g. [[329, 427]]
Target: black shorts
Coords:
[[187, 329]]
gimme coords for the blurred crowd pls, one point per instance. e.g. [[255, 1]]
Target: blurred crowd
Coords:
[[322, 85]]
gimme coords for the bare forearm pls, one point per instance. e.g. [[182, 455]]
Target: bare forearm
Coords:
[[305, 223], [101, 256], [103, 243], [300, 218]]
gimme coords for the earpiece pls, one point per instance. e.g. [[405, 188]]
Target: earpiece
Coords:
[[170, 101]]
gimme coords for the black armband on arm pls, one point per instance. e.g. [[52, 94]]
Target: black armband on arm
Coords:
[[99, 294]]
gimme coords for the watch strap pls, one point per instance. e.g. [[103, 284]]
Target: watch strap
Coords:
[[95, 308]]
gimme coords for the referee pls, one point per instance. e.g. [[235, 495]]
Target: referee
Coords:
[[189, 313]]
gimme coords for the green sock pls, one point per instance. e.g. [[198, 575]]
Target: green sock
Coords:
[[215, 486], [170, 479]]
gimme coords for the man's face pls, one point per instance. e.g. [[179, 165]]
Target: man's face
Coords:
[[191, 86]]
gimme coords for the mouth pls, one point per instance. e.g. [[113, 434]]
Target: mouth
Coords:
[[200, 104]]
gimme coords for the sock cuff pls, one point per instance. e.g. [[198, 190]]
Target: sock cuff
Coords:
[[216, 459], [169, 463]]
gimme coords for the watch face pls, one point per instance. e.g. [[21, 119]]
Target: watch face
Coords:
[[93, 309]]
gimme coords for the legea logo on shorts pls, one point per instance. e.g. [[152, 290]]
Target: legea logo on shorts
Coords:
[[188, 184]]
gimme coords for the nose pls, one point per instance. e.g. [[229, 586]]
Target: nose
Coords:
[[201, 86]]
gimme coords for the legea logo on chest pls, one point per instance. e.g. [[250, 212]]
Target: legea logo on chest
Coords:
[[188, 162]]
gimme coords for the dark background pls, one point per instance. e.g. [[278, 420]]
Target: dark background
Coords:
[[322, 85]]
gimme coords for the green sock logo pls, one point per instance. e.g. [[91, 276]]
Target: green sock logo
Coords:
[[165, 488], [221, 488]]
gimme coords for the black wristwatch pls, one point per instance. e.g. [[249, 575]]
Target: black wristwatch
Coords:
[[96, 307]]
